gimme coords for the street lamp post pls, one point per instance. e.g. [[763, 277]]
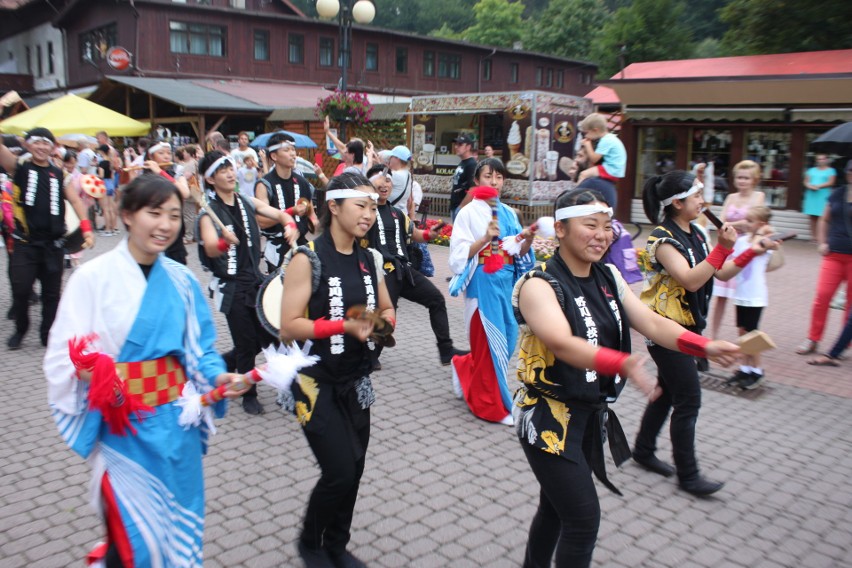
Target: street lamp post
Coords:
[[346, 11]]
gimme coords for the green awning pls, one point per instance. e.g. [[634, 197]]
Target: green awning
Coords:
[[706, 114], [822, 115]]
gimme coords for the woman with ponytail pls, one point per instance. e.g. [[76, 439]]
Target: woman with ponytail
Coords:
[[678, 285]]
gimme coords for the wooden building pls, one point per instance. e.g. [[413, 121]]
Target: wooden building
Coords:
[[271, 40]]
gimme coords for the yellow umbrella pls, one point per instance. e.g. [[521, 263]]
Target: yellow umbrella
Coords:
[[74, 115]]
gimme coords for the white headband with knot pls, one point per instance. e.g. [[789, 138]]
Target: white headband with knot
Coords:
[[280, 145], [581, 211], [344, 193], [159, 146], [32, 139], [218, 164], [696, 187]]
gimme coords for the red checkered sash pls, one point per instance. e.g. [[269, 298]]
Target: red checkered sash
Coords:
[[154, 382]]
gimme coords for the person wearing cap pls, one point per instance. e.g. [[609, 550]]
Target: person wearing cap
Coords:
[[233, 256], [325, 280], [575, 315], [282, 188], [403, 180], [834, 235], [38, 202], [463, 176]]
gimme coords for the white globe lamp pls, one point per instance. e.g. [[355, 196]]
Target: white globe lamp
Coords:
[[328, 9], [363, 12]]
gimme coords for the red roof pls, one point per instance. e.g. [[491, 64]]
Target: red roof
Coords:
[[274, 95], [603, 96], [804, 63]]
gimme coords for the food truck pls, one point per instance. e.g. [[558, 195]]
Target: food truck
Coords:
[[533, 132]]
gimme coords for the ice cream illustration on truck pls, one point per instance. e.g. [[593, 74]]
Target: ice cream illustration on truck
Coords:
[[514, 139]]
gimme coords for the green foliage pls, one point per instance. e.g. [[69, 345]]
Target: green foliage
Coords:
[[567, 28], [785, 26], [649, 30], [707, 48], [424, 16], [498, 22], [446, 32]]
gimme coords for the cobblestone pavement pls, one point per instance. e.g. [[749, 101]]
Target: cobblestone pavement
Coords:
[[442, 488]]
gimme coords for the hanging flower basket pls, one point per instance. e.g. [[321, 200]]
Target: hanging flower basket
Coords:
[[354, 108]]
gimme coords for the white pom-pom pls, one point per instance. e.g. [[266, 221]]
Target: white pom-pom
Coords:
[[545, 227], [190, 404], [511, 245], [283, 364]]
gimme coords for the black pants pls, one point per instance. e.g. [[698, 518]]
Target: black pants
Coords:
[[31, 262], [423, 292], [678, 377], [248, 335], [568, 515], [332, 502]]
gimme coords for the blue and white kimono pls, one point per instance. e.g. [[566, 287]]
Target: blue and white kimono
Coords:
[[156, 474], [481, 376]]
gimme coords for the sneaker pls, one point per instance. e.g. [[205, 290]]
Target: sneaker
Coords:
[[807, 347], [104, 233], [252, 406], [14, 342], [447, 357], [314, 557], [116, 233], [701, 486], [753, 381], [346, 560], [738, 378]]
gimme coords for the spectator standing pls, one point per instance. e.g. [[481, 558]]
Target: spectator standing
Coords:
[[243, 151], [463, 176], [818, 182]]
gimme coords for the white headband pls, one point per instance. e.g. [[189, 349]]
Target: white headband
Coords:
[[581, 211], [384, 174], [280, 145], [159, 146], [218, 164], [344, 193], [696, 187], [32, 139]]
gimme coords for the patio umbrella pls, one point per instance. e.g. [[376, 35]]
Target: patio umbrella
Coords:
[[73, 140], [74, 115], [839, 137], [302, 141]]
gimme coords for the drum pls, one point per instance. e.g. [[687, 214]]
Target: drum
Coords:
[[268, 304], [73, 238]]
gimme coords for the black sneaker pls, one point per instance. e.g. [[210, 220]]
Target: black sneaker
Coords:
[[738, 378], [14, 342], [753, 381], [346, 560], [447, 358], [314, 557], [252, 406]]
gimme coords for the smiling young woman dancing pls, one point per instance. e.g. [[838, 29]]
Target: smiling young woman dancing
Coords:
[[575, 315]]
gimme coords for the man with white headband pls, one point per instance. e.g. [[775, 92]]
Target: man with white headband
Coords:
[[391, 235], [233, 256], [282, 188], [39, 201]]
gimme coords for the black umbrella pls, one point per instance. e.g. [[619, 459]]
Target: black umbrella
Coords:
[[839, 136]]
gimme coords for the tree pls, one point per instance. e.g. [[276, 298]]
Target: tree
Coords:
[[567, 28], [647, 30], [770, 26], [498, 22]]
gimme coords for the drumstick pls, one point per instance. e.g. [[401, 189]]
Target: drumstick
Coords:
[[142, 167], [199, 196], [712, 218]]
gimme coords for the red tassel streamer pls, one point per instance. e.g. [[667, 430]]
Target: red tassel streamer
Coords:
[[493, 263], [108, 394], [76, 347]]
